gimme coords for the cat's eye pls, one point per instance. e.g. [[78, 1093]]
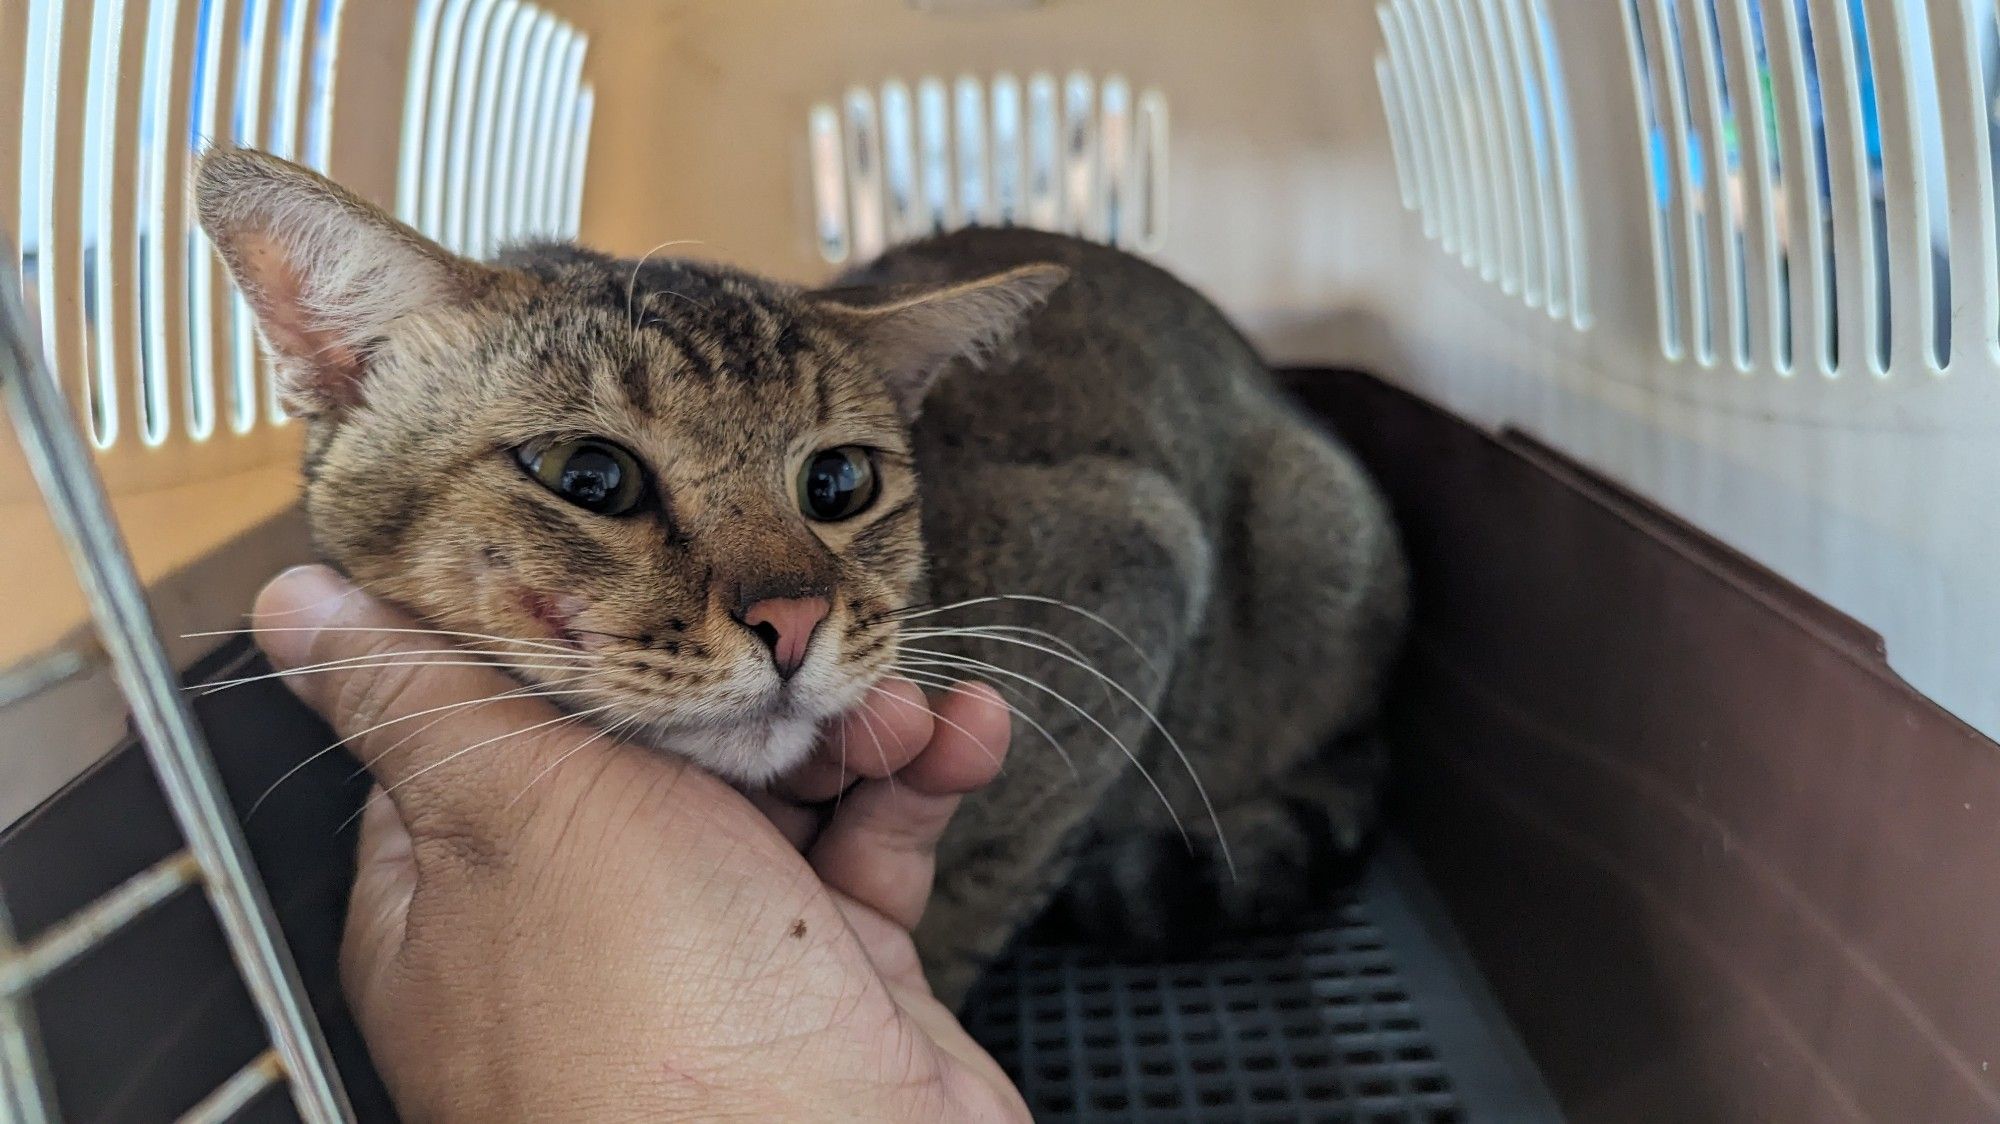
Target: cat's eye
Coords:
[[837, 483], [593, 474]]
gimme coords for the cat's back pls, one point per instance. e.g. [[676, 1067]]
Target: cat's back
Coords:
[[1124, 359], [1110, 293]]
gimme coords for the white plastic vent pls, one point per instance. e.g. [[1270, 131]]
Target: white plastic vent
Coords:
[[496, 125], [1077, 154], [1479, 125], [115, 97], [1823, 183]]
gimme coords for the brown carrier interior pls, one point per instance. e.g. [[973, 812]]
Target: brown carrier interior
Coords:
[[1712, 858]]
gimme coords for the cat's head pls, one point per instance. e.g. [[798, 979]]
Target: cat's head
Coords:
[[682, 494]]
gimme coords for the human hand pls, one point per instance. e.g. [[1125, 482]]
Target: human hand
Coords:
[[556, 925]]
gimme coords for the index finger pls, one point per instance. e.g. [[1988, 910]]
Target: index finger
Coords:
[[448, 735], [883, 732]]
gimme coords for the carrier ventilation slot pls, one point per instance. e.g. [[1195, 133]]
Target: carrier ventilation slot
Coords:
[[115, 97], [496, 125], [1077, 154], [1822, 182], [1479, 122]]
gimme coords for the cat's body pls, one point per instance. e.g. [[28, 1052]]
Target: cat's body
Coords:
[[731, 505], [1131, 455]]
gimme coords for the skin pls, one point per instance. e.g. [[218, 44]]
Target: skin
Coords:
[[567, 927]]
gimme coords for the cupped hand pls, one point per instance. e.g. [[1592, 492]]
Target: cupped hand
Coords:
[[558, 925]]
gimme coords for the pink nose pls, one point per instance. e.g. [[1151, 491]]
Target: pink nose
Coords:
[[786, 626]]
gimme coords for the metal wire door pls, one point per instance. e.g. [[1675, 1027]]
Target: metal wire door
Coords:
[[214, 858]]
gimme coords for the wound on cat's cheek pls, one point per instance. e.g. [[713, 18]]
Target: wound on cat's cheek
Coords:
[[556, 612]]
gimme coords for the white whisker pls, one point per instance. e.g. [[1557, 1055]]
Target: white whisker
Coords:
[[936, 717], [632, 284], [388, 659], [483, 636], [983, 630], [964, 663], [869, 724], [1199, 788], [842, 794], [1037, 599], [935, 679], [456, 754], [611, 730], [532, 690], [322, 603]]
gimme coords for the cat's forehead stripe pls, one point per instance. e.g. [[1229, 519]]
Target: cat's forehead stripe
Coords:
[[636, 379]]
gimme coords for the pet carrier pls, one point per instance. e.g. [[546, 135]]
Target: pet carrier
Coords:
[[1670, 327]]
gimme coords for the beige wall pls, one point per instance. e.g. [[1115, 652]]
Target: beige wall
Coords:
[[702, 112]]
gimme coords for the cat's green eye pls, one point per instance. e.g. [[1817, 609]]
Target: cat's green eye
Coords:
[[837, 483], [593, 474]]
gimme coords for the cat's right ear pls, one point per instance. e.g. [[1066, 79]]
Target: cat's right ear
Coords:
[[325, 271], [914, 334]]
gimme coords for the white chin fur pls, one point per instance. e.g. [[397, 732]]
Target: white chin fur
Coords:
[[751, 754]]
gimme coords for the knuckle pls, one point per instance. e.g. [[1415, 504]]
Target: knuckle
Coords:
[[457, 850]]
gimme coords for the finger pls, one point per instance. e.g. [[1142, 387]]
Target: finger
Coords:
[[799, 825], [970, 745], [880, 847], [385, 878], [446, 735], [882, 734]]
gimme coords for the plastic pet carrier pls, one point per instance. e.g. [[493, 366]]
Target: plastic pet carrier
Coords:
[[1670, 327]]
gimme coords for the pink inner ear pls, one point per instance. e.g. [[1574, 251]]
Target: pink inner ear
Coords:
[[318, 371]]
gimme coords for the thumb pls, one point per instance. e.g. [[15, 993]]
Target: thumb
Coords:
[[448, 735], [378, 912]]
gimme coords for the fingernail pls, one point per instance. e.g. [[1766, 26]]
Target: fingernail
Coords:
[[293, 607]]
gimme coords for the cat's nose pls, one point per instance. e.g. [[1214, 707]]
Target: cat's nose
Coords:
[[786, 626]]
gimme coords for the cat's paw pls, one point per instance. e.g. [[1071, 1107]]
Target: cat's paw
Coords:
[[1151, 894]]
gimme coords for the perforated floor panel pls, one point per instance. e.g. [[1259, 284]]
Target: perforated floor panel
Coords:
[[1372, 1015]]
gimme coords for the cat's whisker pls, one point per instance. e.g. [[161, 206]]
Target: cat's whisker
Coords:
[[530, 691], [609, 731], [842, 794], [456, 754], [412, 735], [589, 689], [936, 717], [946, 682], [868, 724], [484, 637], [988, 632], [1172, 743], [963, 663], [632, 284], [456, 650], [387, 660], [315, 606], [642, 643], [1038, 599], [891, 614], [983, 629]]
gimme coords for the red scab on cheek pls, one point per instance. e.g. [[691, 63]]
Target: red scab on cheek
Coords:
[[555, 612]]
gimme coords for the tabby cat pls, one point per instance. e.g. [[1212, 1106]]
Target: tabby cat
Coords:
[[996, 454]]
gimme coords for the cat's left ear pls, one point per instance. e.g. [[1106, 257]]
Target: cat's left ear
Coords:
[[325, 272], [915, 336]]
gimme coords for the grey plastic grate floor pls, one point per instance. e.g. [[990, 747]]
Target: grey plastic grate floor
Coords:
[[1371, 1015]]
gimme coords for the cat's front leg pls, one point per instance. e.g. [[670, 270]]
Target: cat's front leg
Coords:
[[1118, 565], [996, 876]]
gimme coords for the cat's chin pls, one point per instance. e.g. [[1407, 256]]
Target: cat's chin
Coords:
[[754, 753]]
